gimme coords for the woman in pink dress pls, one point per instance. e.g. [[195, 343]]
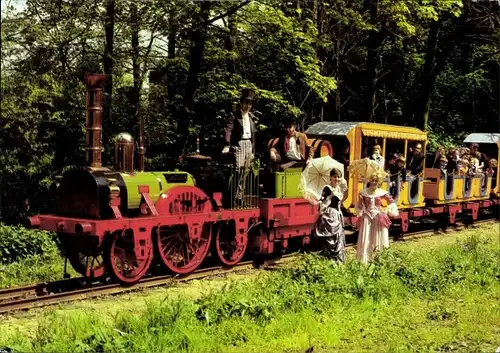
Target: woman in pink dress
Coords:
[[374, 222]]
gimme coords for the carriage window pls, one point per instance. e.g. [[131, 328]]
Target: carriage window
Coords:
[[394, 148], [340, 146], [367, 144]]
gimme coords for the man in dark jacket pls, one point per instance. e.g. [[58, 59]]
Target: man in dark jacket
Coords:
[[240, 130], [292, 147], [416, 161], [483, 160], [240, 139]]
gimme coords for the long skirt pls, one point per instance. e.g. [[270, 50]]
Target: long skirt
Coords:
[[373, 235], [329, 231]]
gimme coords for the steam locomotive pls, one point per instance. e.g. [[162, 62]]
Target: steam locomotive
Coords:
[[117, 221]]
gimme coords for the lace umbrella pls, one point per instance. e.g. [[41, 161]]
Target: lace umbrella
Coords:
[[365, 168], [316, 175]]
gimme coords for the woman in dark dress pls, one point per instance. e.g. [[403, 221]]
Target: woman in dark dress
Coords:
[[329, 229]]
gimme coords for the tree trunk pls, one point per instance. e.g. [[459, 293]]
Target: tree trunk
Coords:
[[429, 75], [108, 58], [195, 58], [431, 70], [375, 41], [172, 34], [172, 44]]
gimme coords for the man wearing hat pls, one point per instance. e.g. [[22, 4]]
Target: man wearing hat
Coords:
[[416, 161], [292, 147], [396, 170], [483, 160], [240, 139], [240, 130]]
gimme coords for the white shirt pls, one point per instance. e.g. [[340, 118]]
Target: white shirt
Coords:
[[379, 159], [293, 153], [247, 131]]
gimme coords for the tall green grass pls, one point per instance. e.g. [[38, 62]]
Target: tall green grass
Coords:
[[29, 256], [405, 300]]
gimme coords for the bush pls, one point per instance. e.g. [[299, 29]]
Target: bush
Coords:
[[18, 243]]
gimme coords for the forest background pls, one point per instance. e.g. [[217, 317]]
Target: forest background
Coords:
[[181, 64]]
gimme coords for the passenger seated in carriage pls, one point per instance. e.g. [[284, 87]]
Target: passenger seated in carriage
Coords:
[[474, 150], [492, 167], [377, 157], [397, 170], [463, 166], [416, 162], [391, 162], [292, 149], [443, 165], [475, 166], [440, 153], [343, 156], [453, 159]]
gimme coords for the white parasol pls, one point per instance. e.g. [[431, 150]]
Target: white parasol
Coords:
[[316, 175]]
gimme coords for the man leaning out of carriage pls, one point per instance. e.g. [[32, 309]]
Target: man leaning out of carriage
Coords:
[[292, 148]]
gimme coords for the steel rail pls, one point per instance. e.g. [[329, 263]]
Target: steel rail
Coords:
[[50, 293]]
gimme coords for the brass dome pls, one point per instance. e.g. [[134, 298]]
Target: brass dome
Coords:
[[124, 152], [124, 137]]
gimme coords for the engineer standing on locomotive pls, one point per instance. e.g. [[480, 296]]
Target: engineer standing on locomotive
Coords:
[[240, 135]]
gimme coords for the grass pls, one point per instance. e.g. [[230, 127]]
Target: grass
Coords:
[[439, 294], [34, 269], [29, 256]]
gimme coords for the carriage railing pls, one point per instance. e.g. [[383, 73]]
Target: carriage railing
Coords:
[[243, 187]]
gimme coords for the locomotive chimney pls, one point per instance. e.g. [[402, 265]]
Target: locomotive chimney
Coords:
[[124, 152], [93, 123]]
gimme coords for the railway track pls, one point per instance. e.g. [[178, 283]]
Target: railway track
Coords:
[[50, 293]]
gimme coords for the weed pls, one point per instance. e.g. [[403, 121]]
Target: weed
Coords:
[[18, 243]]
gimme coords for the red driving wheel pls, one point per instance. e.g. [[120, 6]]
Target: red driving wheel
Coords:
[[180, 251], [229, 245], [124, 261], [182, 248]]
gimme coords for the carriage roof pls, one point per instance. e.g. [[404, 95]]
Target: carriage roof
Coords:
[[483, 137], [342, 128]]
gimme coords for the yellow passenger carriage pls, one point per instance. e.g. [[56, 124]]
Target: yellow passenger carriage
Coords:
[[360, 137], [469, 192]]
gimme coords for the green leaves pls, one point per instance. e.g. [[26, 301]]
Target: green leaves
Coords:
[[18, 243]]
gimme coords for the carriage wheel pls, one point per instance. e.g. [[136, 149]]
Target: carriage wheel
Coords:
[[121, 259], [85, 257], [89, 266], [229, 246], [179, 252]]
